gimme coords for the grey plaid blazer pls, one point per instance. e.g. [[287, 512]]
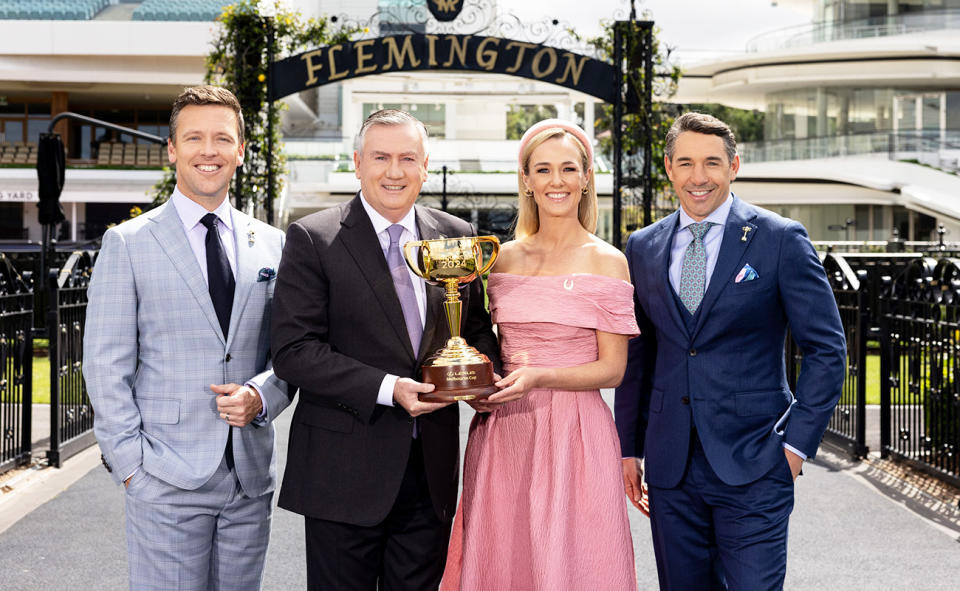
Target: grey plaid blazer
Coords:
[[153, 346]]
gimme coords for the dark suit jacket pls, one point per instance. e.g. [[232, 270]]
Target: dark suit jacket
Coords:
[[338, 329], [727, 377]]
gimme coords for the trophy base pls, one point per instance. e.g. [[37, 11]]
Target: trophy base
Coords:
[[473, 381]]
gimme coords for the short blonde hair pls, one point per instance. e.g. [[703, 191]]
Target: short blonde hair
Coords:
[[528, 214]]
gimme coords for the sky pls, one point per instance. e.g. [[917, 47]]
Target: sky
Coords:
[[697, 29]]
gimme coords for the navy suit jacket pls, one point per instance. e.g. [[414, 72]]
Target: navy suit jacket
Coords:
[[727, 378]]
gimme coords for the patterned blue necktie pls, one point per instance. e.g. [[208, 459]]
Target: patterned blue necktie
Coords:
[[693, 271]]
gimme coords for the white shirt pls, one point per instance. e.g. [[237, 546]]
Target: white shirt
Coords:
[[711, 241], [190, 213], [380, 225]]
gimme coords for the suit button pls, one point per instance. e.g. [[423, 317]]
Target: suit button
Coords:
[[693, 352], [228, 357], [685, 399]]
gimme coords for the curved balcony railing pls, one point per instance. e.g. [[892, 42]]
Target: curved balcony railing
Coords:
[[884, 26], [933, 148]]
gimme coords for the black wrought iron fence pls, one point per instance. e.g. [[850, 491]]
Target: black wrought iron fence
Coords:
[[16, 369], [920, 391], [71, 414], [25, 258], [847, 426]]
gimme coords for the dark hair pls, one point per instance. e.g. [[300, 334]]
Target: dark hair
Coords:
[[205, 95], [701, 123]]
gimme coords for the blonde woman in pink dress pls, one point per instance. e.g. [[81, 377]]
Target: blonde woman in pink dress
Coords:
[[542, 505]]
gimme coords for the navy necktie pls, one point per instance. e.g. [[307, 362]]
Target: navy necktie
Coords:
[[220, 280]]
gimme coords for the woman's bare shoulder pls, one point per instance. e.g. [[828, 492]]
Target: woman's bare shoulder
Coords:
[[510, 257], [605, 259]]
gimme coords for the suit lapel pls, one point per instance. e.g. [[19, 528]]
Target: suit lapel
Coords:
[[168, 231], [663, 244], [732, 248], [429, 229], [246, 266], [362, 243]]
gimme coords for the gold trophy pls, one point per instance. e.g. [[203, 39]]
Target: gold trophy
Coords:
[[458, 371]]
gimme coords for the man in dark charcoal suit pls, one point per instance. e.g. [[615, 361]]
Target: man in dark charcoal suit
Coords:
[[373, 470], [705, 399]]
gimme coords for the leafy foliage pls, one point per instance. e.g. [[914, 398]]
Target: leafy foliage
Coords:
[[747, 125], [239, 61], [521, 117], [664, 86]]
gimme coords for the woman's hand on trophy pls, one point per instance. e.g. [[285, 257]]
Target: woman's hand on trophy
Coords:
[[483, 406], [517, 384], [406, 392]]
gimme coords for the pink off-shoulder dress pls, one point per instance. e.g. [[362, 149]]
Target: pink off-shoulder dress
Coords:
[[543, 506]]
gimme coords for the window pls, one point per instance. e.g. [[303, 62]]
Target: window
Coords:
[[432, 115]]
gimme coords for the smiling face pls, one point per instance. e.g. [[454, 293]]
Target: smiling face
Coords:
[[701, 173], [392, 168], [556, 176], [206, 152]]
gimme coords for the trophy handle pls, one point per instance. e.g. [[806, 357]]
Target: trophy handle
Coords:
[[495, 242], [413, 260]]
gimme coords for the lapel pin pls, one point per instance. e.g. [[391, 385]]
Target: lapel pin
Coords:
[[251, 237], [746, 230]]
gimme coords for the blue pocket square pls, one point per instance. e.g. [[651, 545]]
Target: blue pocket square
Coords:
[[266, 274], [746, 274]]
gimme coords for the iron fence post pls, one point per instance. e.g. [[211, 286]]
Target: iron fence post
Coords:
[[886, 358], [53, 348], [863, 319], [617, 128]]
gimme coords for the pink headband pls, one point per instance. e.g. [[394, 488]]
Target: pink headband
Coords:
[[574, 130]]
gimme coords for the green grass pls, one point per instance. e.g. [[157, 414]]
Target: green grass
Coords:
[[873, 379], [41, 380]]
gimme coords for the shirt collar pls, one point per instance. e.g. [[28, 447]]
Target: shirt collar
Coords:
[[190, 211], [718, 216], [380, 223]]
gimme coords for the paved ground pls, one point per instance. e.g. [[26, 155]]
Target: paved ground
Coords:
[[854, 527]]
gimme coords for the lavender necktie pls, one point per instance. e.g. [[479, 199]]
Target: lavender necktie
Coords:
[[404, 287]]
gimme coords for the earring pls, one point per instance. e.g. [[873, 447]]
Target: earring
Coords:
[[528, 193], [584, 191]]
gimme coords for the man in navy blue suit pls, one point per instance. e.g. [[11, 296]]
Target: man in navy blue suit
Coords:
[[705, 400]]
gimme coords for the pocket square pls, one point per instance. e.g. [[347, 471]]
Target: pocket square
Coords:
[[266, 274], [746, 274]]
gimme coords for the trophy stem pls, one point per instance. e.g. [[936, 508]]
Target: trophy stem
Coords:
[[453, 306]]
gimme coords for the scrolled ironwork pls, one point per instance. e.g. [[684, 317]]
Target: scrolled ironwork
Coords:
[[479, 17]]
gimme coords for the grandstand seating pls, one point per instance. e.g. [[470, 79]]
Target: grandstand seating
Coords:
[[139, 155], [63, 10], [109, 154], [18, 153], [179, 10]]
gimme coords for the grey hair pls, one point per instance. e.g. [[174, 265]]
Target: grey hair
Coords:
[[389, 117], [700, 123]]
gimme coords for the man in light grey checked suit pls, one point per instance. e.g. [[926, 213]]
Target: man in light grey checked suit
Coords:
[[178, 318]]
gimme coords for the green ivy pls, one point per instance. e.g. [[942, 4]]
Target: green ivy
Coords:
[[666, 78], [238, 61]]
